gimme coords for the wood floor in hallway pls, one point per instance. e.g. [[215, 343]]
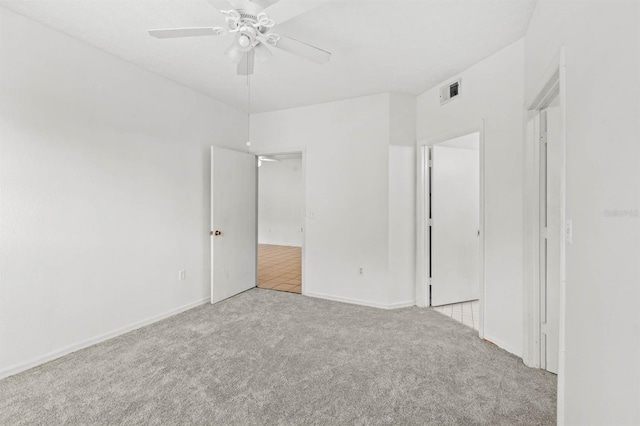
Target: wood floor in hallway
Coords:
[[280, 268]]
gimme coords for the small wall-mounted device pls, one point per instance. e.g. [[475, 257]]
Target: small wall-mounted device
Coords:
[[450, 91]]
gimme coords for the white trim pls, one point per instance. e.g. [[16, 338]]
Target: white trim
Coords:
[[563, 247], [34, 362], [483, 293], [531, 234], [361, 302], [211, 227], [293, 150], [551, 85], [422, 249]]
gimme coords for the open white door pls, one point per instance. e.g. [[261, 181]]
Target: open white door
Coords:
[[233, 222], [551, 238], [455, 214]]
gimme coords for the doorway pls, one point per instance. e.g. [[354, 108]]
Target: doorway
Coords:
[[280, 221], [453, 216], [547, 231]]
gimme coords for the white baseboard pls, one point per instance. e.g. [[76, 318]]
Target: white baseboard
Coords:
[[371, 304], [405, 304], [34, 362]]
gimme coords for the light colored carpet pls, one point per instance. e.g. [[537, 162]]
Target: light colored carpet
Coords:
[[267, 357]]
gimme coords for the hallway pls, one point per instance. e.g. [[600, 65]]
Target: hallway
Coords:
[[280, 268]]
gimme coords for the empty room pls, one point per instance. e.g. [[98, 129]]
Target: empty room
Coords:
[[320, 212]]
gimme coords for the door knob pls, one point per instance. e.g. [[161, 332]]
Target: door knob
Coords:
[[218, 233]]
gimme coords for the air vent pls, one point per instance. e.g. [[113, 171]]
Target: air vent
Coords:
[[450, 91]]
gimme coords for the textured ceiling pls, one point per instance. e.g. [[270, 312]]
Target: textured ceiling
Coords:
[[404, 46]]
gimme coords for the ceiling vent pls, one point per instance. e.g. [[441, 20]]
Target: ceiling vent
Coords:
[[450, 91]]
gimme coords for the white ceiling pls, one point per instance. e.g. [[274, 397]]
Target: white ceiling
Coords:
[[405, 46]]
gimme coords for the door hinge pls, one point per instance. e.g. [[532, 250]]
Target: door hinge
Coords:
[[543, 328], [430, 163], [543, 233], [429, 222]]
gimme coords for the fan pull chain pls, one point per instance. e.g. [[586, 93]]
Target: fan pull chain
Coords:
[[248, 102]]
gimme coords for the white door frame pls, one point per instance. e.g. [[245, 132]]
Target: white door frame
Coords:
[[303, 152], [422, 228], [552, 86]]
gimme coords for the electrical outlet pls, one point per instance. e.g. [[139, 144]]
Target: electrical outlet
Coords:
[[182, 275], [361, 270]]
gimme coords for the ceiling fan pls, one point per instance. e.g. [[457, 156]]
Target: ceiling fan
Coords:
[[252, 22]]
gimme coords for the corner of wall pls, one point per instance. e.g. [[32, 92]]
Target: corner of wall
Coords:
[[402, 119]]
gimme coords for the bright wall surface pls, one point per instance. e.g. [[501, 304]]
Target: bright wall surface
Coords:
[[402, 221], [402, 119], [602, 346], [347, 193], [104, 173], [491, 90], [280, 202]]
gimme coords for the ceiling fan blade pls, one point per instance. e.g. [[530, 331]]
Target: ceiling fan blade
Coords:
[[252, 6], [186, 32], [284, 10], [262, 53], [305, 50], [245, 67], [234, 53], [264, 3], [221, 4]]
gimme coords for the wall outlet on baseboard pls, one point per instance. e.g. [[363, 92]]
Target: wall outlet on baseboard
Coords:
[[361, 270], [182, 275]]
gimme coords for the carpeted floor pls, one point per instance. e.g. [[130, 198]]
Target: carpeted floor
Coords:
[[267, 357]]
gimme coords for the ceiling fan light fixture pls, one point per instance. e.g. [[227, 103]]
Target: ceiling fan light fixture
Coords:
[[244, 40], [234, 53], [263, 20], [250, 21]]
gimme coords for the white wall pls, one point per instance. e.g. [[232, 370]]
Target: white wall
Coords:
[[280, 202], [347, 193], [402, 195], [402, 119], [492, 91], [402, 221], [602, 348], [104, 170]]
